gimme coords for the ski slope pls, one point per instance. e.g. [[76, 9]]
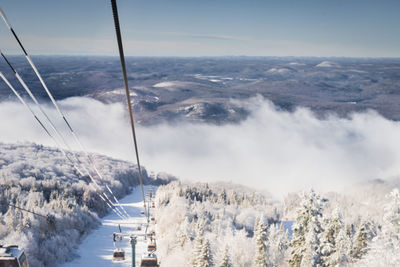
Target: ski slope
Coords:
[[97, 248]]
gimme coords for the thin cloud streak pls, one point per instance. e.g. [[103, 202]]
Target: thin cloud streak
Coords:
[[197, 45], [205, 36]]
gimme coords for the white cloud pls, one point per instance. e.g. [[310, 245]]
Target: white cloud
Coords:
[[274, 150]]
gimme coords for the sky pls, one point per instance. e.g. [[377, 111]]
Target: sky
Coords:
[[340, 28]]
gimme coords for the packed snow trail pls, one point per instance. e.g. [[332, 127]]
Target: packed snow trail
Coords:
[[97, 248]]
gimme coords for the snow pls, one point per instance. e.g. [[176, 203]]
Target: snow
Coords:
[[97, 248], [327, 64], [278, 70], [165, 84], [172, 85]]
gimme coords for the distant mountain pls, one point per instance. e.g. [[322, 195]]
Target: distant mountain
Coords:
[[200, 89]]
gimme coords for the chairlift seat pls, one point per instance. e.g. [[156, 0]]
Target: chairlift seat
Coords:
[[149, 260], [151, 247], [119, 255], [12, 256]]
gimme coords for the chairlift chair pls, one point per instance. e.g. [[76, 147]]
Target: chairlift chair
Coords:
[[151, 247], [149, 260], [118, 255], [12, 256]]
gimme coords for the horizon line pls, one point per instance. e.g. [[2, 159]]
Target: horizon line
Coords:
[[222, 56]]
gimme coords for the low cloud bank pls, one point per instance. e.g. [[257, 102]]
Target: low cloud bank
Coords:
[[274, 150]]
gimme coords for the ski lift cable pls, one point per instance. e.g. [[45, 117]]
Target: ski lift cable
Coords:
[[37, 119], [21, 81], [128, 97], [41, 215], [2, 14], [53, 138]]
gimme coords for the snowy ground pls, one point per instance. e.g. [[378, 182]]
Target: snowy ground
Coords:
[[97, 248]]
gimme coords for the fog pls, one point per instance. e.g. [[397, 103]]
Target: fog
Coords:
[[272, 149]]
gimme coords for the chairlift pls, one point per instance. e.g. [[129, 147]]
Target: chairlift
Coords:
[[151, 247], [149, 260], [153, 205], [152, 233], [139, 228], [12, 256], [142, 212], [118, 255]]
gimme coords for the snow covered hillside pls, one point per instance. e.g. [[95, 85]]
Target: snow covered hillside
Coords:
[[41, 180], [201, 224], [225, 225]]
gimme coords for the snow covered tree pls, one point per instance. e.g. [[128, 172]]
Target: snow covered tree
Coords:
[[384, 250], [225, 262], [365, 232], [260, 236], [181, 234], [222, 197], [205, 259], [198, 244], [391, 226], [201, 254], [278, 240], [306, 245], [335, 243]]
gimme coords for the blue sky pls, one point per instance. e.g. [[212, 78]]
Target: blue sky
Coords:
[[351, 28]]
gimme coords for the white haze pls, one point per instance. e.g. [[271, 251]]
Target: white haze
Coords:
[[274, 150]]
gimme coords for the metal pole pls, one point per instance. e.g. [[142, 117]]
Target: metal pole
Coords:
[[133, 243], [148, 211]]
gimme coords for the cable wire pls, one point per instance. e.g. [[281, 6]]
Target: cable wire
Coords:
[[128, 97], [47, 217], [21, 81], [2, 14], [56, 142]]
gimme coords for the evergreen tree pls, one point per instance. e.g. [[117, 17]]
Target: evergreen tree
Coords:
[[225, 262], [339, 256], [384, 249], [278, 240], [222, 197], [260, 236], [201, 254], [205, 259], [365, 232], [391, 218], [306, 247], [181, 234], [335, 243], [198, 245]]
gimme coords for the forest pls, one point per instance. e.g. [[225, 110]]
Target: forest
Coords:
[[224, 225]]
